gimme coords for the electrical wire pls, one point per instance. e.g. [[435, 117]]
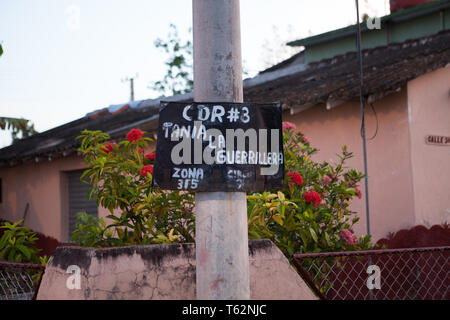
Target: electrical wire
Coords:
[[376, 121]]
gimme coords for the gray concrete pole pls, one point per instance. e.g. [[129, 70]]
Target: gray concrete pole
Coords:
[[221, 217]]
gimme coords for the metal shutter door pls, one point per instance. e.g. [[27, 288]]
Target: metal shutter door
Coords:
[[78, 199]]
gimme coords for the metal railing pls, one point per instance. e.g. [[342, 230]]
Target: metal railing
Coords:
[[19, 281], [393, 274]]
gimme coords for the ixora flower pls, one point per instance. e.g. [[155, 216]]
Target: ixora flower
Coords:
[[109, 147], [146, 169], [358, 193], [296, 177], [326, 179], [312, 197], [134, 135], [141, 150], [288, 125], [150, 156], [348, 237]]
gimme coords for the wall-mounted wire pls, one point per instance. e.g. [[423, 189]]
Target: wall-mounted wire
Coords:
[[376, 121]]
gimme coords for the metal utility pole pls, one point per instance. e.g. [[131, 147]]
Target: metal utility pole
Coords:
[[131, 79], [131, 89], [221, 217]]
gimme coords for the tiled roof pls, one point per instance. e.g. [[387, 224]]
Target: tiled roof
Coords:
[[386, 69]]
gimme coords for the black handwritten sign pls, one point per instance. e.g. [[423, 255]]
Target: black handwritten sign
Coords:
[[219, 147]]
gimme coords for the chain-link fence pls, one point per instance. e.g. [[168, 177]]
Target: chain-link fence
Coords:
[[19, 281], [395, 274]]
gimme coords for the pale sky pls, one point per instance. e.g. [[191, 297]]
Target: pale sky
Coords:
[[65, 58]]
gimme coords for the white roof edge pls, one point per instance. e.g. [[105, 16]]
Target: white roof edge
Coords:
[[155, 102], [249, 82], [272, 75]]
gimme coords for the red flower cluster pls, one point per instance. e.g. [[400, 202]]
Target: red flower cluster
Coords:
[[348, 237], [288, 125], [150, 156], [146, 169], [141, 150], [358, 193], [109, 147], [312, 197], [134, 135], [296, 177], [326, 179]]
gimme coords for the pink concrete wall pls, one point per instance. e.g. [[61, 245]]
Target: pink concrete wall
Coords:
[[161, 272], [42, 186], [429, 114], [389, 167]]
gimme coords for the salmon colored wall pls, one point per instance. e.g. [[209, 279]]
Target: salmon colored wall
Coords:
[[42, 186], [389, 167], [429, 109]]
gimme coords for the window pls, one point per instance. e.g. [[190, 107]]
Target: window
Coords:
[[78, 199]]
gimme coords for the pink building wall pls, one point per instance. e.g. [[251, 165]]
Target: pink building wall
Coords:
[[43, 186], [429, 114], [389, 167]]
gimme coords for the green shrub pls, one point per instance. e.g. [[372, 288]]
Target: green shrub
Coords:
[[120, 175], [310, 214], [18, 244], [90, 230], [312, 211]]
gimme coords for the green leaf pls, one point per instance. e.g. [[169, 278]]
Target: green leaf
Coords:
[[24, 250], [12, 254], [313, 234], [113, 217], [303, 237], [278, 219], [4, 240], [327, 239], [4, 252], [253, 235]]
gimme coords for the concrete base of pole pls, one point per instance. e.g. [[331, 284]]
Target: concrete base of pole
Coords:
[[222, 250], [159, 272]]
